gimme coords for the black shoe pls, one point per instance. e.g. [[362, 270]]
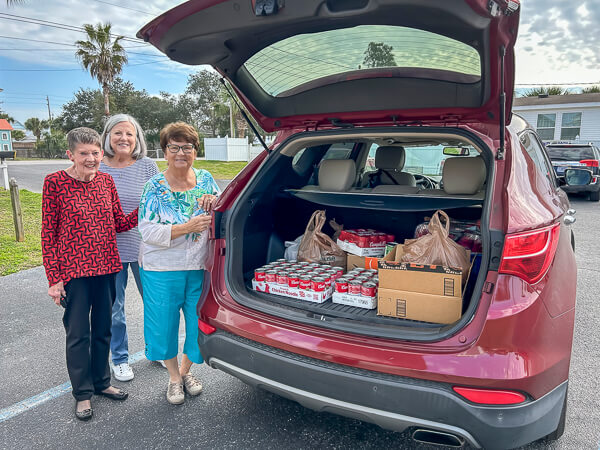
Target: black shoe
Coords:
[[84, 415], [119, 395]]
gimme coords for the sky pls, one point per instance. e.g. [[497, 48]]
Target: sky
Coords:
[[558, 44]]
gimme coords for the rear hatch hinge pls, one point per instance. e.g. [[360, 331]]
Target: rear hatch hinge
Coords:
[[338, 123], [453, 119], [308, 124]]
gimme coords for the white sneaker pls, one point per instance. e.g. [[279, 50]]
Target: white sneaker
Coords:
[[162, 363], [123, 372]]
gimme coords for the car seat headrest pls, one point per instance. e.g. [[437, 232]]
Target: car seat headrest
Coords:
[[389, 157], [463, 175], [337, 175]]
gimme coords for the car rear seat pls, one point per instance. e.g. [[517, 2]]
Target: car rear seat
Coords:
[[461, 176], [335, 175]]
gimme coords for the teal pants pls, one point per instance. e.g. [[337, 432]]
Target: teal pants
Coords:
[[165, 295]]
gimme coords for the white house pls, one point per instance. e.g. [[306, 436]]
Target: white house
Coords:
[[571, 117]]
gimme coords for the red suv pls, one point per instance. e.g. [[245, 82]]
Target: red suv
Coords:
[[413, 83]]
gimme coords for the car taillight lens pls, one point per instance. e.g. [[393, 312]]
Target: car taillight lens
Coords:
[[206, 328], [490, 396], [529, 255], [589, 162]]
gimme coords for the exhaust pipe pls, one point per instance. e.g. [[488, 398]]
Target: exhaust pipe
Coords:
[[437, 438]]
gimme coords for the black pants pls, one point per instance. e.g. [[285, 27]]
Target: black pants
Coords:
[[88, 335]]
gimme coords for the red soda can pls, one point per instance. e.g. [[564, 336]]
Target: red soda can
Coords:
[[260, 274], [341, 285], [317, 284], [271, 276], [304, 282], [293, 279], [368, 289], [282, 277], [354, 287]]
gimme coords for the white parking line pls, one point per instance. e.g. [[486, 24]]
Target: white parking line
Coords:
[[57, 391]]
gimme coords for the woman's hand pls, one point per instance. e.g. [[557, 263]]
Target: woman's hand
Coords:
[[206, 201], [199, 223], [57, 292]]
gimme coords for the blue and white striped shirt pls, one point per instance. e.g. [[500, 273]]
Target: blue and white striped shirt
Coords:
[[130, 183]]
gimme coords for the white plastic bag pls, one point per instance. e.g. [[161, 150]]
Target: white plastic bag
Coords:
[[291, 248]]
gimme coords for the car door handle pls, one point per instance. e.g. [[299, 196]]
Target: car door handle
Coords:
[[569, 220]]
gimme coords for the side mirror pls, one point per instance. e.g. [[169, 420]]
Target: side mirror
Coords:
[[578, 177], [456, 151]]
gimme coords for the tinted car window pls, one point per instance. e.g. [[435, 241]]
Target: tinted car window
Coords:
[[570, 153], [536, 152]]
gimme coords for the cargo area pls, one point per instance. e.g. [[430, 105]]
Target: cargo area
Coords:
[[281, 198]]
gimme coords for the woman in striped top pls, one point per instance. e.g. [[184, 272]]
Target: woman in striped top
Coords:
[[126, 161]]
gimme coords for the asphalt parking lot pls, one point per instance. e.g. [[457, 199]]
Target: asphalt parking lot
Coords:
[[228, 414]]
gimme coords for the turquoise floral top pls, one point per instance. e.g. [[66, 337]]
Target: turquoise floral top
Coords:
[[160, 208]]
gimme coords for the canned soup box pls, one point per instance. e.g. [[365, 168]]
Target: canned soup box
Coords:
[[428, 293]]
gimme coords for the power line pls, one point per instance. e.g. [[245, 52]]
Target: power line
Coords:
[[62, 43], [52, 24], [72, 70], [125, 7]]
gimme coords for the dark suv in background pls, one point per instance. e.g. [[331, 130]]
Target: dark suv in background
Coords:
[[566, 156]]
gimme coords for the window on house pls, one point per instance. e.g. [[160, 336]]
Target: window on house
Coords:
[[5, 136], [545, 126], [5, 148], [571, 126]]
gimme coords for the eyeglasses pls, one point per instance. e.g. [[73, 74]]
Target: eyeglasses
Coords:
[[187, 148]]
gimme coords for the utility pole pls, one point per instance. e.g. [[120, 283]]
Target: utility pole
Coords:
[[49, 115]]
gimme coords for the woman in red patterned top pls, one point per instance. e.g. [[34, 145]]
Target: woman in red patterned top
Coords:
[[81, 215]]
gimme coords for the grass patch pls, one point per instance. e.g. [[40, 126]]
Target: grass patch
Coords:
[[220, 170], [16, 256]]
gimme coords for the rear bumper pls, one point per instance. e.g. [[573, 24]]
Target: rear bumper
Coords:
[[392, 402], [587, 188]]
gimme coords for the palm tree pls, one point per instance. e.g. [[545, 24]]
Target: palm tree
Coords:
[[591, 90], [36, 126], [102, 57], [550, 90]]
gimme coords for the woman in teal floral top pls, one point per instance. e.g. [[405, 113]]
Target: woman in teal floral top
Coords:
[[173, 221]]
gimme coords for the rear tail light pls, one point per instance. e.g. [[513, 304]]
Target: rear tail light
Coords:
[[206, 328], [490, 396], [529, 255], [589, 162]]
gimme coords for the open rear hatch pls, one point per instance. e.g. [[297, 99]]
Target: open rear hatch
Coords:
[[322, 63]]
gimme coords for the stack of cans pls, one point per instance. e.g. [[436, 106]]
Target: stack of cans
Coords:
[[366, 237], [300, 275], [359, 282]]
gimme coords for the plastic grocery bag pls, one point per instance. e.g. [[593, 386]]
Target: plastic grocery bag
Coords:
[[436, 247], [337, 229], [317, 247], [291, 249]]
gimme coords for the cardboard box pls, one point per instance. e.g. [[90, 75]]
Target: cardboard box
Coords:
[[422, 278], [286, 291], [354, 300], [369, 262], [350, 247], [417, 306]]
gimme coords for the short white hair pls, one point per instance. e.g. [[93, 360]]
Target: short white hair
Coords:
[[140, 149]]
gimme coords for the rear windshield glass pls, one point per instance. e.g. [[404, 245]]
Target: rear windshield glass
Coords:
[[307, 57], [570, 153]]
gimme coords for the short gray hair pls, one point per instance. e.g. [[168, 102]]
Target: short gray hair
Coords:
[[83, 135], [140, 149]]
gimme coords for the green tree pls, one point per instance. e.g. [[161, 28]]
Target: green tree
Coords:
[[203, 98], [8, 118], [591, 90], [543, 90], [102, 56], [18, 135], [54, 144], [36, 126], [379, 54]]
